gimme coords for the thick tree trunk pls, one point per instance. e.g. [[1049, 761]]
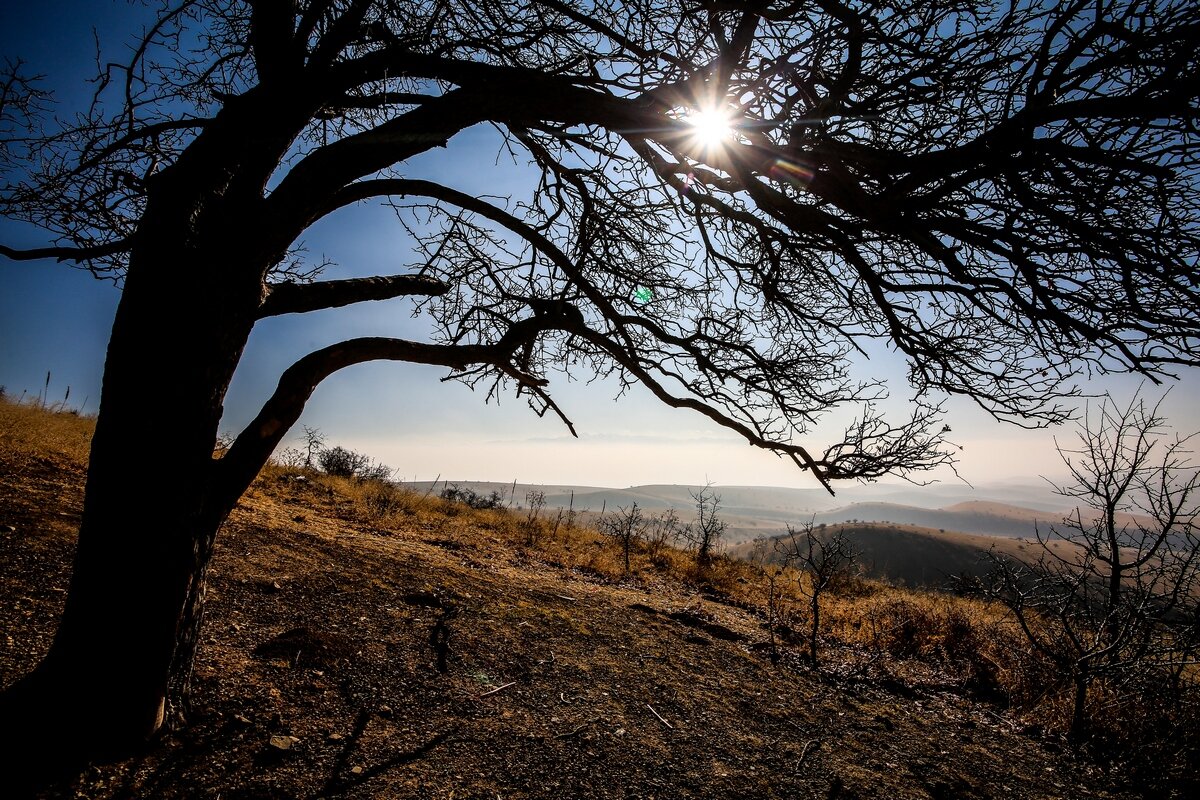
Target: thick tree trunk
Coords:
[[121, 658]]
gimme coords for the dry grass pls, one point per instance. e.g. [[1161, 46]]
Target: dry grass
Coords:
[[873, 629], [29, 427], [870, 629]]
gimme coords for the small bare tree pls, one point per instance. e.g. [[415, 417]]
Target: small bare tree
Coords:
[[780, 611], [705, 534], [627, 526], [535, 499], [824, 560], [661, 530], [1114, 590], [314, 443]]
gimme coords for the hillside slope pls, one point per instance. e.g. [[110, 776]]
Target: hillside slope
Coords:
[[425, 652], [909, 555]]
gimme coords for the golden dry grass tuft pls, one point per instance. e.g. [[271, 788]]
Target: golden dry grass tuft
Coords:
[[30, 427]]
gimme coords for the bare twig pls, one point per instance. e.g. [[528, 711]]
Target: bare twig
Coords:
[[809, 746], [575, 732], [497, 690], [659, 717]]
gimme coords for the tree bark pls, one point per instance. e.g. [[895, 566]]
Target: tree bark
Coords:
[[120, 662], [1078, 731], [815, 630]]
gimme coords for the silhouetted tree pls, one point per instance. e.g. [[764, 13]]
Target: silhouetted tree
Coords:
[[1002, 193], [823, 560], [314, 443], [1113, 592]]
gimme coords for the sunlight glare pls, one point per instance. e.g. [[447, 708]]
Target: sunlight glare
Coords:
[[712, 126]]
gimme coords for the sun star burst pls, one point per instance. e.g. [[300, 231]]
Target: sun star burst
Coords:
[[712, 126]]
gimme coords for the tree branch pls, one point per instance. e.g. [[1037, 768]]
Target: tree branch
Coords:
[[297, 298], [68, 253], [258, 440]]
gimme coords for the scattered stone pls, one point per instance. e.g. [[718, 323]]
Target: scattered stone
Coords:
[[283, 742], [335, 737], [242, 718], [356, 770], [7, 529]]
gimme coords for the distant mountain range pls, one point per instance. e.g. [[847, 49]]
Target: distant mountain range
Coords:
[[1007, 510], [914, 535]]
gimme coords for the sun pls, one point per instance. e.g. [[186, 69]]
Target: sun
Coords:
[[711, 126]]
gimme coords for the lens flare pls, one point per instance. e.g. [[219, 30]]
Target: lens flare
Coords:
[[711, 127]]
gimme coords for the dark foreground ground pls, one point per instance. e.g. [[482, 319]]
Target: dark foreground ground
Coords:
[[437, 658]]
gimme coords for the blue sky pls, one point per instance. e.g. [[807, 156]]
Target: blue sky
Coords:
[[54, 318]]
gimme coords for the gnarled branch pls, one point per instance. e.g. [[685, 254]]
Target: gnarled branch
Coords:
[[296, 298]]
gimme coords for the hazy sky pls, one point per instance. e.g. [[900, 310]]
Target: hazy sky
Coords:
[[54, 318]]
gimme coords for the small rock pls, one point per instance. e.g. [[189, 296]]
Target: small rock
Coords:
[[283, 742], [7, 529], [356, 770], [242, 718], [619, 732], [335, 737]]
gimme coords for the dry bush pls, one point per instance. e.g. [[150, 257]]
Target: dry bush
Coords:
[[969, 641], [384, 500], [1150, 736], [468, 497]]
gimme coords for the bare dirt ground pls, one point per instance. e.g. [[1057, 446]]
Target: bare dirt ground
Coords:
[[437, 658]]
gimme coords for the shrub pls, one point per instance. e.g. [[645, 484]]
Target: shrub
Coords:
[[384, 499], [343, 463], [469, 497]]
